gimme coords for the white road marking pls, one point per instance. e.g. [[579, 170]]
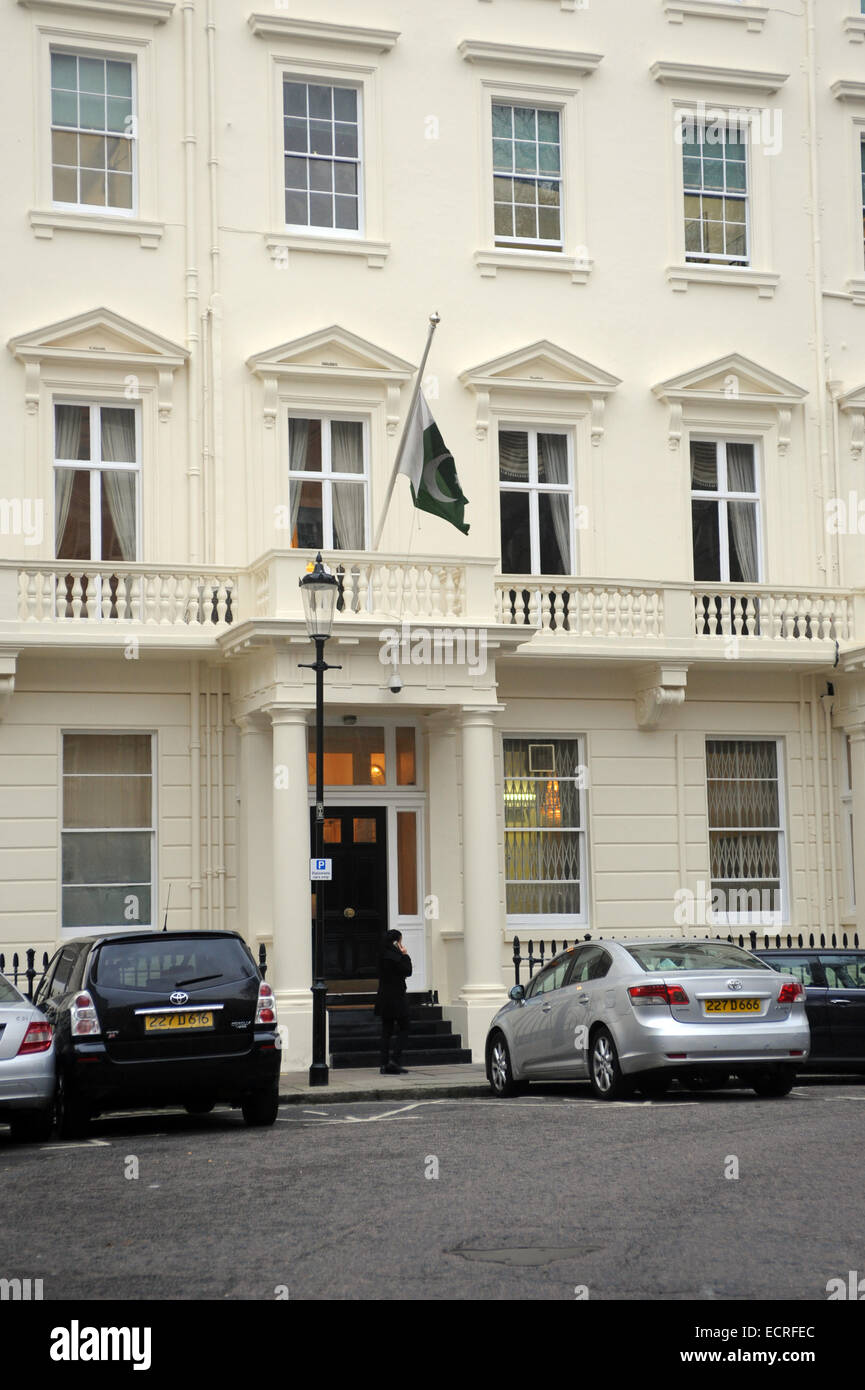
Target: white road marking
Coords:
[[82, 1144], [371, 1119]]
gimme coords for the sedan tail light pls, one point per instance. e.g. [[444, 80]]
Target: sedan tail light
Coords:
[[84, 1020], [657, 994], [791, 992], [37, 1038], [266, 1010]]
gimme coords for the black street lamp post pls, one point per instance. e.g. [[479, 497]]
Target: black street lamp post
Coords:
[[319, 590]]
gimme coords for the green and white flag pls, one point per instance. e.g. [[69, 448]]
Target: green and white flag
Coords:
[[428, 464]]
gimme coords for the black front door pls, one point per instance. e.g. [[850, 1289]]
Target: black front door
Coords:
[[355, 899]]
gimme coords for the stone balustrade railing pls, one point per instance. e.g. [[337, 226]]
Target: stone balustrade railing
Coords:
[[150, 595]]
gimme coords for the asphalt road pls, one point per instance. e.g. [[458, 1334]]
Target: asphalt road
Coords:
[[551, 1196]]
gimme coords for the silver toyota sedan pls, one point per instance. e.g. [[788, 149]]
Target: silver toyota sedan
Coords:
[[632, 1015], [27, 1066]]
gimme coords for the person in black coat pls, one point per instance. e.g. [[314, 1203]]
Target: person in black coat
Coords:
[[391, 1004]]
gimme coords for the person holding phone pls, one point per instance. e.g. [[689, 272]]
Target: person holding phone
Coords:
[[391, 1004]]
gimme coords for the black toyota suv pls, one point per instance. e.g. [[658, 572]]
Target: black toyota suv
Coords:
[[167, 1018], [834, 980]]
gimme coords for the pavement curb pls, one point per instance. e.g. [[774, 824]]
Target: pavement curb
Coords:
[[334, 1095]]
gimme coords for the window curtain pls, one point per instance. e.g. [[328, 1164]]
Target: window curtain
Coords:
[[743, 515], [118, 446], [346, 442], [553, 455], [298, 443], [67, 443]]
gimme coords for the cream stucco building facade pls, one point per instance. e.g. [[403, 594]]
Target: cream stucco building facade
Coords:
[[639, 681]]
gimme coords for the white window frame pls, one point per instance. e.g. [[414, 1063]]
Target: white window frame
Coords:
[[96, 467], [67, 933], [328, 476], [533, 488], [46, 217], [303, 228], [744, 196], [748, 919], [574, 257], [723, 496], [533, 243], [561, 922], [757, 274], [368, 239], [90, 209]]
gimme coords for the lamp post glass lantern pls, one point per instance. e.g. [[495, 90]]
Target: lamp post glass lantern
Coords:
[[319, 590]]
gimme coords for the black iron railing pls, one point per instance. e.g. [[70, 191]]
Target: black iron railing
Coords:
[[17, 972]]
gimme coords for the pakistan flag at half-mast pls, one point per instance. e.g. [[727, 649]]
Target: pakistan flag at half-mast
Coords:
[[429, 465]]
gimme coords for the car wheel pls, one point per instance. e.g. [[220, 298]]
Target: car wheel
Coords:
[[608, 1080], [261, 1107], [774, 1083], [32, 1126], [654, 1085], [199, 1107], [73, 1119], [501, 1072]]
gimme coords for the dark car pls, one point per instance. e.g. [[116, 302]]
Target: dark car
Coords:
[[834, 981], [168, 1018]]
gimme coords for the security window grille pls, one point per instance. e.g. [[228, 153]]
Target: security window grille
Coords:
[[715, 173], [322, 156], [108, 831], [96, 482], [545, 840], [536, 503], [746, 838], [92, 132], [327, 483], [527, 177]]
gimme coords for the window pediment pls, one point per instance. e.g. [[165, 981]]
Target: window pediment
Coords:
[[154, 11], [331, 354], [545, 370], [98, 337], [732, 382], [517, 56], [312, 31], [719, 79]]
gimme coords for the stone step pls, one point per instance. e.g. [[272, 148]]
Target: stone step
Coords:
[[430, 1057], [416, 1042]]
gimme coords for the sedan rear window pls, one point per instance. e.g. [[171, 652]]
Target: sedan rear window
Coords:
[[155, 965], [8, 993], [670, 955]]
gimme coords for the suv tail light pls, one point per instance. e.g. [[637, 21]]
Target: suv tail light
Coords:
[[37, 1038], [790, 993], [83, 1017], [657, 994], [266, 1010]]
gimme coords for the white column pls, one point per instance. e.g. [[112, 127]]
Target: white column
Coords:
[[291, 970], [483, 990], [857, 768]]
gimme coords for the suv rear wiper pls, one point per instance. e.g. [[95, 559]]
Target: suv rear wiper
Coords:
[[199, 979]]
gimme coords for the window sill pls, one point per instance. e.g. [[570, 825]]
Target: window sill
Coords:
[[856, 289], [854, 28], [489, 263], [763, 281], [45, 224], [279, 245], [753, 16]]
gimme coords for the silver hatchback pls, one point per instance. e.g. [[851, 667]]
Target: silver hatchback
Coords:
[[630, 1015], [27, 1066]]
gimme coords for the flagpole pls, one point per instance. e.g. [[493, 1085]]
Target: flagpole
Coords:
[[434, 321]]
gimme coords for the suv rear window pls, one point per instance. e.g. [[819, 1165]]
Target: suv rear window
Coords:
[[671, 955], [167, 965]]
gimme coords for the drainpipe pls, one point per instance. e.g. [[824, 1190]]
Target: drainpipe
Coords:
[[835, 390], [827, 701], [195, 794], [215, 510], [828, 566], [193, 458], [818, 811], [208, 803], [807, 803], [220, 798]]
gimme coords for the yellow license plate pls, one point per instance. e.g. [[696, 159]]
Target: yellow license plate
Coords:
[[157, 1023], [731, 1006]]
